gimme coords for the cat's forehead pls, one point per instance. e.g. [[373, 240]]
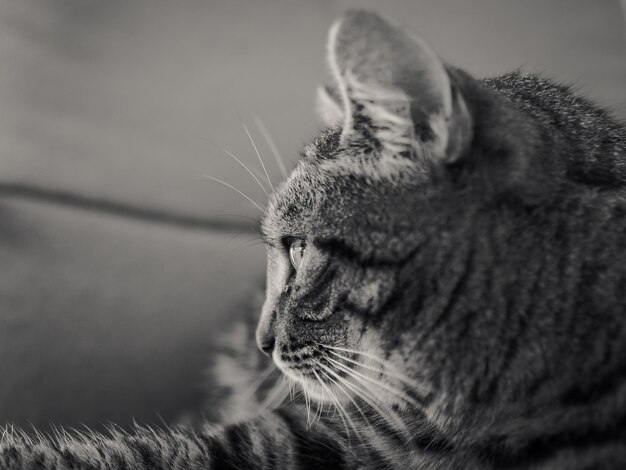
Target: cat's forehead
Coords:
[[330, 184], [361, 156], [309, 186], [295, 201]]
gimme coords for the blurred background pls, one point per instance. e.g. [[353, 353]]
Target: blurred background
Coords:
[[120, 263]]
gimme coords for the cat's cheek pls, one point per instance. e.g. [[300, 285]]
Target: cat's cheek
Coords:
[[372, 293], [366, 298], [320, 306]]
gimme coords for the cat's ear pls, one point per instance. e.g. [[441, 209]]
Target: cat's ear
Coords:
[[393, 88], [329, 106]]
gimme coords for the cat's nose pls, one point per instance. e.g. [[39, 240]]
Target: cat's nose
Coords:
[[266, 341]]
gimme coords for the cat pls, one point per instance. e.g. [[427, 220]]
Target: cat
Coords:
[[445, 282]]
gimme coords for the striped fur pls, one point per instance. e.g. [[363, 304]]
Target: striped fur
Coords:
[[471, 276], [273, 441], [460, 300], [282, 439]]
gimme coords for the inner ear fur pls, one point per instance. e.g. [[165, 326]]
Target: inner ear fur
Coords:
[[393, 87]]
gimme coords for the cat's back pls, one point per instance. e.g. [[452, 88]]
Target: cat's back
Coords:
[[587, 138]]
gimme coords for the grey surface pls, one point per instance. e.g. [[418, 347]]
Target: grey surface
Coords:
[[124, 98], [108, 319]]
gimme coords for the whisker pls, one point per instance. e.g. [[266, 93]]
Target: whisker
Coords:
[[248, 244], [365, 354], [420, 388], [343, 415], [284, 393], [266, 404], [247, 169], [240, 234], [270, 142], [275, 397], [245, 128], [292, 393], [363, 394], [318, 410], [381, 370], [242, 244], [382, 385], [307, 403], [217, 180], [263, 376], [388, 416], [334, 374], [384, 371], [339, 407]]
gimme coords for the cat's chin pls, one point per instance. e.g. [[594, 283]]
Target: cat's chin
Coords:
[[326, 393]]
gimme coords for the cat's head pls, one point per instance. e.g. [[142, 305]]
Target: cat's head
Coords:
[[370, 237], [341, 228]]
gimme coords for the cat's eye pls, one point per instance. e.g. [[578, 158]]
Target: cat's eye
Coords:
[[296, 252]]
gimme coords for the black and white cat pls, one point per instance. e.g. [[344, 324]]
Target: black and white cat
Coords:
[[445, 282]]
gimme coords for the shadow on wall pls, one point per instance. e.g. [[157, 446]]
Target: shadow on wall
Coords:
[[109, 318]]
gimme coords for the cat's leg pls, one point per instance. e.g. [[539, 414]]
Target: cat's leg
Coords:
[[276, 440]]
